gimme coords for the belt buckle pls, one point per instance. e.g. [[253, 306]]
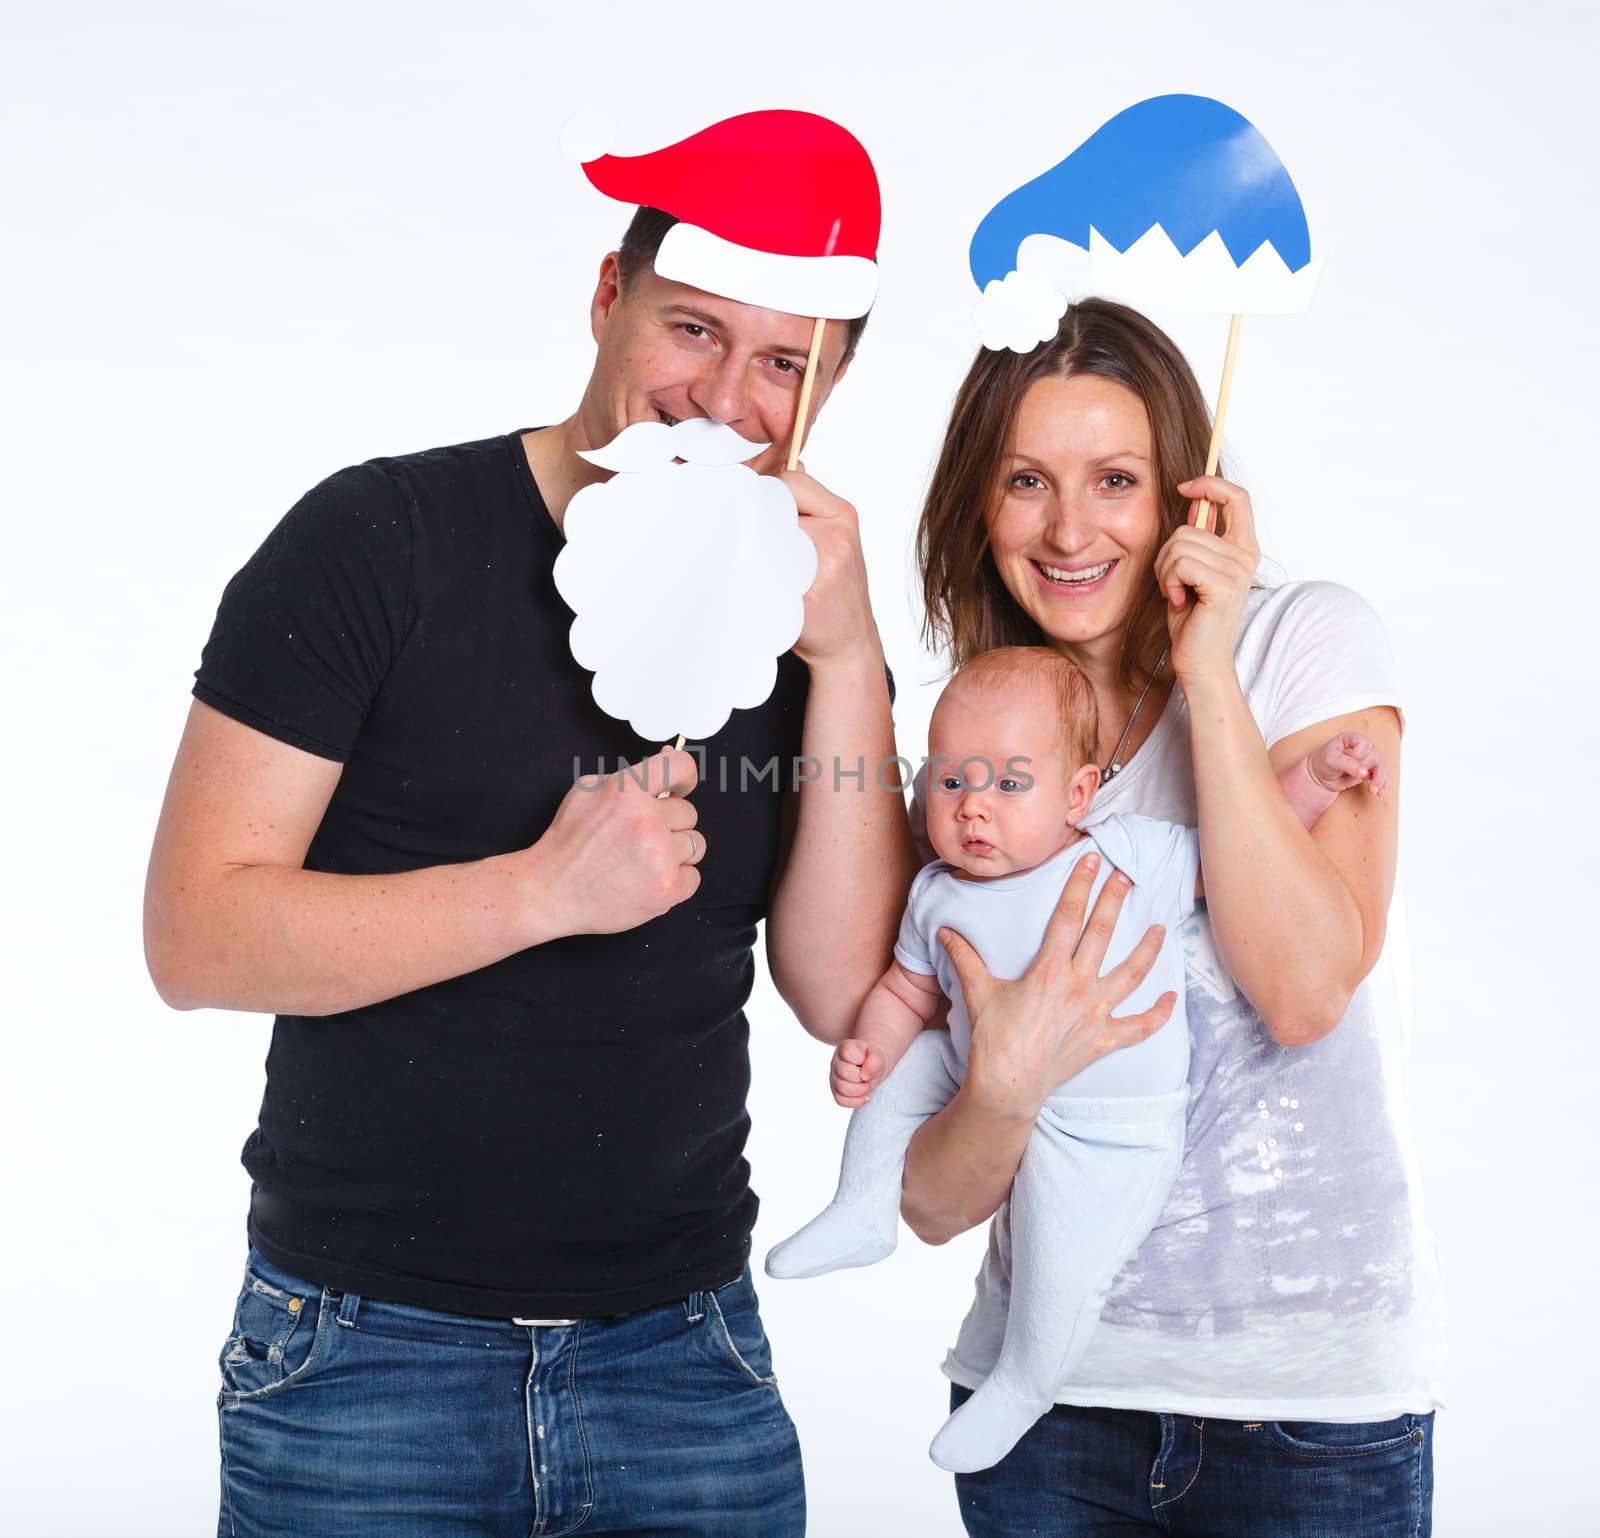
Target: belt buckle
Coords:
[[542, 1322]]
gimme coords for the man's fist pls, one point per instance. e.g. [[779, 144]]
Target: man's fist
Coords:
[[618, 853]]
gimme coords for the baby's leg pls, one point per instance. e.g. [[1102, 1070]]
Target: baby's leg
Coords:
[[1090, 1187], [860, 1225]]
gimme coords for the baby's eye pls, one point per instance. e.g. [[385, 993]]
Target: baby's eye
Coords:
[[950, 782], [1010, 786]]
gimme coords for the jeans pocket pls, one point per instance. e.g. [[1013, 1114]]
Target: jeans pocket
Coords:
[[734, 1317], [279, 1334], [1341, 1439]]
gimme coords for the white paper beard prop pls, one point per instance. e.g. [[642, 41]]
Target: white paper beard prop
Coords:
[[688, 579]]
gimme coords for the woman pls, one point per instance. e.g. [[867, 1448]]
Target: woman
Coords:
[[1264, 1363]]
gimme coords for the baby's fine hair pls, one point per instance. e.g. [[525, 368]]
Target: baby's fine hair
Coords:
[[1012, 667]]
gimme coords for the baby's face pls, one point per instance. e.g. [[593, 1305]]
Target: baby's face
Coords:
[[1000, 797]]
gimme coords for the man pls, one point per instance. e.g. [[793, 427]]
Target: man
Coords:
[[500, 1213]]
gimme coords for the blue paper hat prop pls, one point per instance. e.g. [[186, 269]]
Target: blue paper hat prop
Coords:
[[1178, 201]]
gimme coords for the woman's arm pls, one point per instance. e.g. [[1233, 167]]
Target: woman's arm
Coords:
[[1298, 916], [1028, 1036], [1313, 783]]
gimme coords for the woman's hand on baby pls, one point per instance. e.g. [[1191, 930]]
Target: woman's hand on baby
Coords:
[[1348, 760], [857, 1068], [1032, 1034]]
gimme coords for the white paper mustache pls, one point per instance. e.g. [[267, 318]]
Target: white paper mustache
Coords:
[[697, 441]]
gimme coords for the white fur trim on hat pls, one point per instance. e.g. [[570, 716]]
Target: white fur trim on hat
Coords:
[[1018, 311], [838, 287]]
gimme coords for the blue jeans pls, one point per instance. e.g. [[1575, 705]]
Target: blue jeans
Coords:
[[343, 1417], [1079, 1473]]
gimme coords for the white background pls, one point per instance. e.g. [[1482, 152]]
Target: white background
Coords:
[[244, 246]]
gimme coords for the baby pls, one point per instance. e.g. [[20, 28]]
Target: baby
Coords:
[[1012, 775]]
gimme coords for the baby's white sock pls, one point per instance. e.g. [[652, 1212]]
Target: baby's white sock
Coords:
[[861, 1224], [986, 1428], [843, 1234], [1091, 1183]]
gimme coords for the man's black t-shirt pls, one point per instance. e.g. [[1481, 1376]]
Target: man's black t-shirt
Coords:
[[562, 1133]]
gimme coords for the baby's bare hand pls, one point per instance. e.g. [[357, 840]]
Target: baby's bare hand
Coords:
[[1346, 760], [857, 1067]]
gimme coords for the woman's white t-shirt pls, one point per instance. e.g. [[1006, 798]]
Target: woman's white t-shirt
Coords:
[[1291, 1275]]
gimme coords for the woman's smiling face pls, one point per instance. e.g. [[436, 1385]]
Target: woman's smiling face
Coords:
[[1075, 530]]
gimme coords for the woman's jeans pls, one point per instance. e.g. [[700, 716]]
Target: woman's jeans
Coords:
[[1127, 1472], [343, 1417]]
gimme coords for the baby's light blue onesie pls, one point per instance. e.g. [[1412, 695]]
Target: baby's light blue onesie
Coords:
[[1103, 1152]]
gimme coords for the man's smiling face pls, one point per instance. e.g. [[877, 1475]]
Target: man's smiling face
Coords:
[[667, 352]]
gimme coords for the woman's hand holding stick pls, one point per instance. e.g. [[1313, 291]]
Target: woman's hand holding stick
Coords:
[[1206, 577]]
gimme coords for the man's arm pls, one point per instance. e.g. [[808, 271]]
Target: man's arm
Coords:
[[232, 921], [848, 867], [842, 885]]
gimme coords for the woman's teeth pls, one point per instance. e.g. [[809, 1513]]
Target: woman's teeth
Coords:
[[1090, 574]]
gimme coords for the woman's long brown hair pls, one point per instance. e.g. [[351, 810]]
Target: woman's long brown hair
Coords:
[[967, 607]]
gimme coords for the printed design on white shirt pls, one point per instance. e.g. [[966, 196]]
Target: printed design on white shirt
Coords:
[[1328, 1192]]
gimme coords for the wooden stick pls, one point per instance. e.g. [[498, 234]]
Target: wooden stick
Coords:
[[1214, 454], [794, 444], [677, 747], [806, 386]]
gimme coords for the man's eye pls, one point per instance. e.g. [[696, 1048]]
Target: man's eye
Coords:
[[693, 331], [784, 366]]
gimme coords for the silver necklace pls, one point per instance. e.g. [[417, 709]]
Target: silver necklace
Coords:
[[1113, 769]]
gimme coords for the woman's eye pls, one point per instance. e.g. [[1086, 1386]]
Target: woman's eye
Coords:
[[1026, 480], [1115, 480]]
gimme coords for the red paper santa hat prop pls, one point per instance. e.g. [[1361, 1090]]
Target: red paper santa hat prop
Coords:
[[777, 209]]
